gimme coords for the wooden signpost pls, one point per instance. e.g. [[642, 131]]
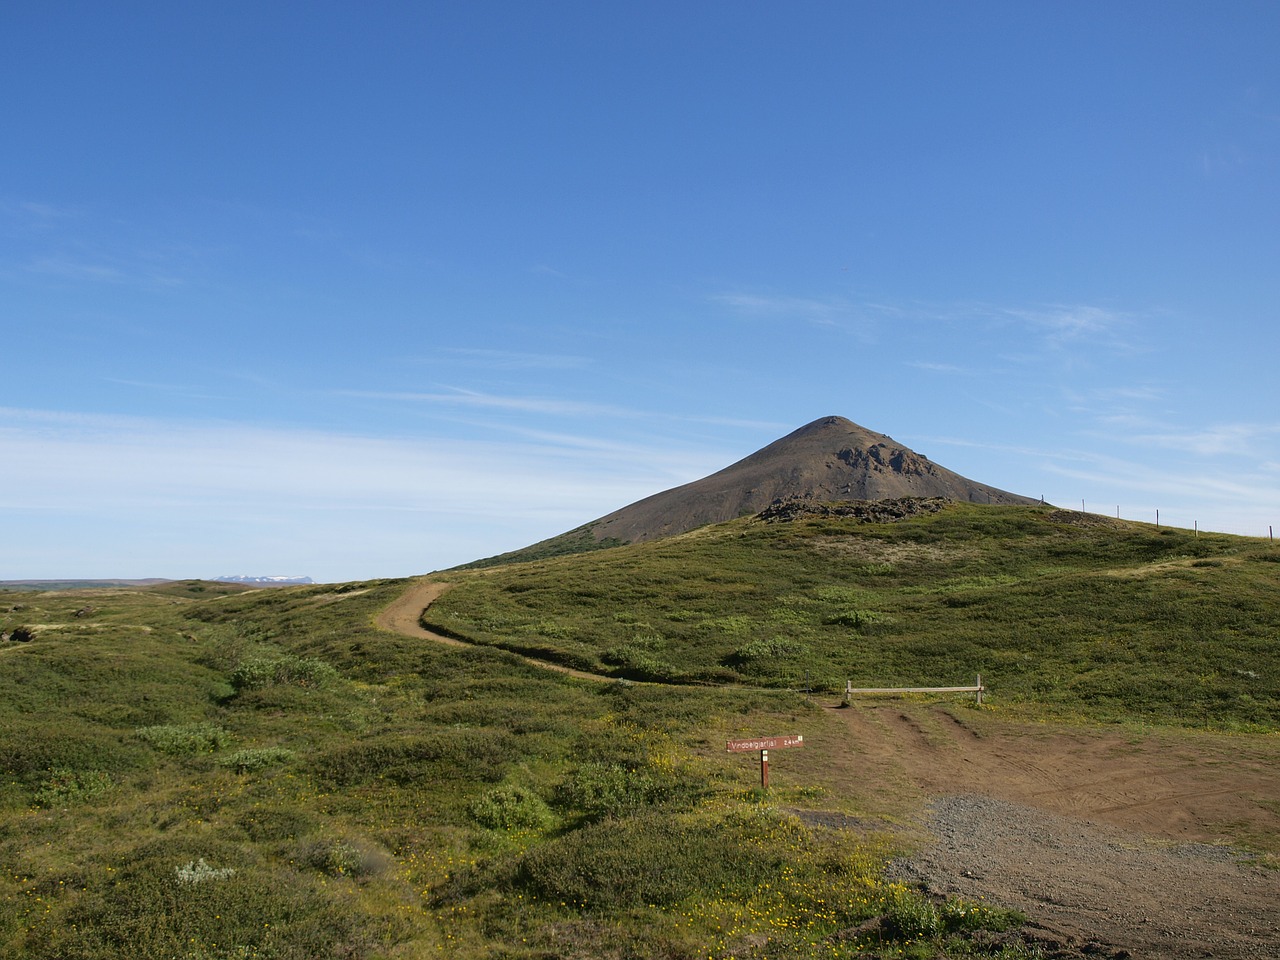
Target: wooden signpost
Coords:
[[764, 745]]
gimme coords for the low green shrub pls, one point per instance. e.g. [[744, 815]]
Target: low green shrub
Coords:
[[909, 914], [161, 907], [253, 759], [511, 808], [344, 858], [254, 673], [771, 648], [662, 858], [479, 755], [963, 916], [198, 871], [186, 739], [857, 619], [29, 751], [65, 787], [599, 790], [265, 825], [635, 662]]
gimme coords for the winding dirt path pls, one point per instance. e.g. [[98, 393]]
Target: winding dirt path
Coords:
[[403, 615]]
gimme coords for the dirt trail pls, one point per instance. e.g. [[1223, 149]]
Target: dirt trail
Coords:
[[1117, 842], [403, 616]]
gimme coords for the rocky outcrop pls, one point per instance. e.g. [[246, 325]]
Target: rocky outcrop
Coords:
[[864, 511]]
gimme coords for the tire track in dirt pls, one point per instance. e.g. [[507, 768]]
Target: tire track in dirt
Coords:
[[1145, 781]]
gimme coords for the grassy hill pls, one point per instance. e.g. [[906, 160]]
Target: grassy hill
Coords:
[[264, 774], [1071, 612]]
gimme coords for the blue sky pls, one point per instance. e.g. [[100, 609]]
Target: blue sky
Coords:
[[354, 291]]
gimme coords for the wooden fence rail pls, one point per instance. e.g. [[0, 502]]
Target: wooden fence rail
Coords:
[[850, 690]]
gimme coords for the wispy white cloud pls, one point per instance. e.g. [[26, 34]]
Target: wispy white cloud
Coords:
[[1248, 125], [1240, 439], [458, 396], [145, 271], [546, 270], [1063, 325], [735, 422], [211, 485], [1011, 450], [573, 410], [1128, 422], [934, 367], [1186, 493], [1057, 325], [1132, 393], [1188, 483], [191, 391], [1070, 322], [515, 360], [1126, 406], [87, 246], [39, 211], [821, 311], [79, 270]]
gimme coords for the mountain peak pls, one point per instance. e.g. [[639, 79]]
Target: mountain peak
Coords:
[[829, 423], [830, 459], [832, 424]]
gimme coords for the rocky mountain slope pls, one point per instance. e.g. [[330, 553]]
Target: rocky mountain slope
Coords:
[[830, 459]]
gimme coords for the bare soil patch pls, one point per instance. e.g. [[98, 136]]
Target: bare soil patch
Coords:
[[403, 615], [1116, 842]]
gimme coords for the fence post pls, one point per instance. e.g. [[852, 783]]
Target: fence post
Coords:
[[979, 689]]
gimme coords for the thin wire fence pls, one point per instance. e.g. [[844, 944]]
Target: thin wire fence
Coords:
[[1175, 521]]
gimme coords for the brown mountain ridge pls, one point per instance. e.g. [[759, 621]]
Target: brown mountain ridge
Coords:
[[831, 459]]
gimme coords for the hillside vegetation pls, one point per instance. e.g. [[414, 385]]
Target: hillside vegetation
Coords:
[[197, 773], [200, 772], [1068, 612]]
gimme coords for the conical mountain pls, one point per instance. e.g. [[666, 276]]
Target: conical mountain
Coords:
[[830, 459]]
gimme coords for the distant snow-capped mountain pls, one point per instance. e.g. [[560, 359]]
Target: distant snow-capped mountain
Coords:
[[264, 581]]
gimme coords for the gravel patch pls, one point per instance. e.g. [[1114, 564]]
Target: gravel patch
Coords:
[[1096, 890]]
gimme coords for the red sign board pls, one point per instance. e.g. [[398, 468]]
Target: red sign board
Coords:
[[764, 743]]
